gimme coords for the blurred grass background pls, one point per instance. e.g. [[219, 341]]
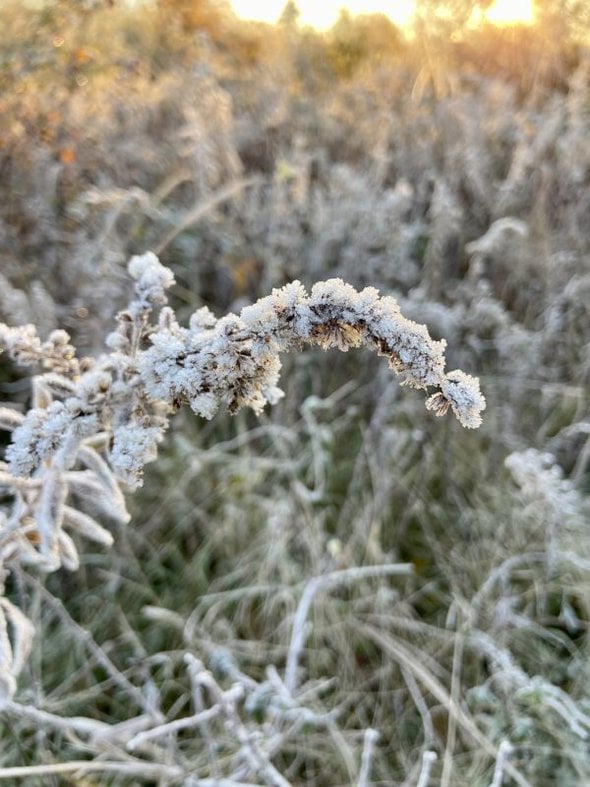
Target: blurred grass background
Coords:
[[451, 169]]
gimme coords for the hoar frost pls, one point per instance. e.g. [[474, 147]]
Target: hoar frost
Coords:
[[235, 361], [95, 423], [231, 362]]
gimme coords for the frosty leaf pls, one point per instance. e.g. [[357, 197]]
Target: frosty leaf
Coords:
[[86, 526], [15, 649]]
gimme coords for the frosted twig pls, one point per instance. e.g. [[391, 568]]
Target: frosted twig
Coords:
[[253, 751], [194, 669], [231, 696], [370, 739], [140, 770], [428, 760], [235, 361], [234, 694], [504, 751], [78, 724], [232, 361]]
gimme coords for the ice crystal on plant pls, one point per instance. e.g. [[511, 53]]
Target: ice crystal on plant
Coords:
[[153, 279], [541, 479], [462, 392], [235, 361], [133, 446]]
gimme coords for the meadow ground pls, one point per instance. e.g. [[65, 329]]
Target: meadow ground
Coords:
[[343, 589]]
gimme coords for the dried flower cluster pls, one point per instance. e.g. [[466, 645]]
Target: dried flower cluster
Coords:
[[94, 424], [235, 361]]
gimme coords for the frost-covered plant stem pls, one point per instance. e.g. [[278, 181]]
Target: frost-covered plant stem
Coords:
[[370, 739], [232, 361], [505, 750], [95, 423], [428, 760]]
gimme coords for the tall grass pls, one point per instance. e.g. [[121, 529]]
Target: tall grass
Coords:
[[340, 589]]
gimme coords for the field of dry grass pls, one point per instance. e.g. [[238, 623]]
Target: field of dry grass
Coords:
[[343, 589]]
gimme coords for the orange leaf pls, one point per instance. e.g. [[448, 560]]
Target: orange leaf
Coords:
[[67, 155], [82, 56]]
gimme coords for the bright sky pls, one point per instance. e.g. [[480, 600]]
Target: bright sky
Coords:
[[322, 14], [510, 12]]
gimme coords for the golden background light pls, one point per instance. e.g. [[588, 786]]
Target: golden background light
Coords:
[[323, 14], [511, 12]]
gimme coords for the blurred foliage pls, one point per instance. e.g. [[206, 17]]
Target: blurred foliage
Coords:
[[452, 169]]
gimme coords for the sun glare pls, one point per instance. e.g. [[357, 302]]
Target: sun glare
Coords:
[[322, 14], [511, 12]]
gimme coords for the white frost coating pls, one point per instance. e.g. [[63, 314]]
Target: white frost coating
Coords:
[[235, 361], [107, 415], [541, 479], [152, 278], [86, 526], [45, 432], [232, 362], [462, 392], [16, 641], [133, 447]]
